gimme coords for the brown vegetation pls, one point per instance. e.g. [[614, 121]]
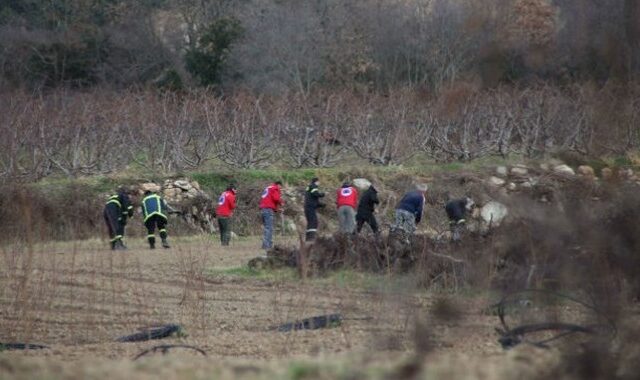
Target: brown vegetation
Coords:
[[102, 132]]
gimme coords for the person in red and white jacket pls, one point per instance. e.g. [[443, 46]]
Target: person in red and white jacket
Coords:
[[347, 201], [224, 212], [271, 202]]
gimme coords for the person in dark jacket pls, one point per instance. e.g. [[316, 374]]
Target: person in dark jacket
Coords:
[[457, 212], [312, 202], [116, 211], [366, 210], [154, 211], [409, 210]]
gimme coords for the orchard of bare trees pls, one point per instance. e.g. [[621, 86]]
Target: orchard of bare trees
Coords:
[[93, 86], [102, 131]]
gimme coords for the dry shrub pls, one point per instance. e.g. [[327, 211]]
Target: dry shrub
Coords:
[[31, 215]]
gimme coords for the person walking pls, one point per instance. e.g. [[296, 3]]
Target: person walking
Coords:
[[457, 212], [409, 210], [154, 211], [366, 210], [312, 196], [224, 212], [270, 203], [116, 211], [346, 202]]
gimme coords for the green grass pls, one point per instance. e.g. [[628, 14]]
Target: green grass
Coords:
[[282, 274], [343, 279]]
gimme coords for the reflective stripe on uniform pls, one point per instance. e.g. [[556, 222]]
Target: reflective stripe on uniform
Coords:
[[114, 199], [158, 207]]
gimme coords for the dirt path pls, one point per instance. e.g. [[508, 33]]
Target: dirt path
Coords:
[[78, 298]]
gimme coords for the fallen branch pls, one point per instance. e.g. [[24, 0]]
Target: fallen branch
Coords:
[[451, 258], [313, 323], [21, 346], [151, 333], [164, 349], [511, 337]]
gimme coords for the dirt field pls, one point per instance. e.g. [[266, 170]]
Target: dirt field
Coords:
[[78, 298]]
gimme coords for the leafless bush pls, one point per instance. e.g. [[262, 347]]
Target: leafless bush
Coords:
[[312, 130], [83, 133], [247, 138]]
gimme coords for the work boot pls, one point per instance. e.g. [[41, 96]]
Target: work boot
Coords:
[[120, 246], [152, 243], [310, 236], [165, 244], [113, 245]]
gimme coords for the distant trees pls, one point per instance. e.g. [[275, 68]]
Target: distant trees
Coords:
[[91, 86], [272, 45], [206, 57]]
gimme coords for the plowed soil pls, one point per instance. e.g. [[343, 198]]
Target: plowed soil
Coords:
[[79, 298]]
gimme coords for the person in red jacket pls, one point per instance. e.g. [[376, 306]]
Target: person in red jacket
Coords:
[[347, 201], [270, 203], [224, 212]]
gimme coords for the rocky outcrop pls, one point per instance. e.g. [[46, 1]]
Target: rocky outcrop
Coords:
[[564, 170], [193, 205], [362, 183], [493, 213]]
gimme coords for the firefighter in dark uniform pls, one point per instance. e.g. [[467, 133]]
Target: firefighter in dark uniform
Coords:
[[457, 212], [366, 210], [116, 212], [312, 202], [154, 212]]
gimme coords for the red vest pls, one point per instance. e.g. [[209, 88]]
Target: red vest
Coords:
[[270, 197], [226, 204], [347, 196]]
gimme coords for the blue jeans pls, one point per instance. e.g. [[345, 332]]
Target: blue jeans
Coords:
[[267, 222]]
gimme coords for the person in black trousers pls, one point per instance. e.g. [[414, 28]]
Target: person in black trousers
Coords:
[[366, 210], [457, 212], [116, 211], [312, 196]]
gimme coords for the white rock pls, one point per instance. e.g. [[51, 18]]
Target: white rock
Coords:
[[234, 235], [544, 166], [171, 193], [501, 170], [184, 185], [526, 184], [519, 171], [586, 171], [362, 183], [625, 173], [495, 181], [511, 186], [493, 213], [290, 226], [564, 169], [150, 186], [192, 193], [195, 185]]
